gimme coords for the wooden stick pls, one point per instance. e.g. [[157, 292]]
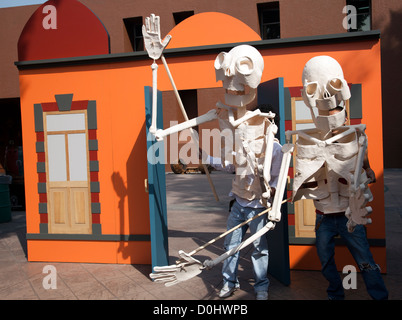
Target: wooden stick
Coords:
[[230, 230], [183, 111]]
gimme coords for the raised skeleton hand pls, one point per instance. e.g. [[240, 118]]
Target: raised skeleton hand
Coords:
[[152, 37]]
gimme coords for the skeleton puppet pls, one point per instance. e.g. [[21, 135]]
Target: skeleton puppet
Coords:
[[330, 157], [240, 70]]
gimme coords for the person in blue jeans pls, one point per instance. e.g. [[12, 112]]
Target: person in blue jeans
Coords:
[[241, 210], [330, 225], [247, 203]]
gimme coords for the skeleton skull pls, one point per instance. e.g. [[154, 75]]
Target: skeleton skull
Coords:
[[324, 86], [240, 70]]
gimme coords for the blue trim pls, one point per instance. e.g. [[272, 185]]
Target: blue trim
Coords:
[[95, 236], [345, 37], [281, 101], [157, 189], [272, 92]]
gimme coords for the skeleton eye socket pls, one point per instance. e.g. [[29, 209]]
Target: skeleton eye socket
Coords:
[[244, 66], [311, 88], [222, 61], [336, 83]]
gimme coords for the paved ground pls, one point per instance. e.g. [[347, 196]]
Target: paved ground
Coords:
[[193, 218]]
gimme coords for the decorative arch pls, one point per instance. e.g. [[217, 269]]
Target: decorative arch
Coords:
[[84, 35], [211, 28]]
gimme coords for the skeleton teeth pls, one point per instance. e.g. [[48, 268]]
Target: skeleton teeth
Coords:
[[235, 92]]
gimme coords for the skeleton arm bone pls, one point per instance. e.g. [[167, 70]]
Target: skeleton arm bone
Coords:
[[211, 263], [230, 231], [275, 213], [249, 115], [269, 226], [360, 159], [209, 116], [269, 142], [187, 267], [360, 194], [154, 67], [154, 47], [246, 117]]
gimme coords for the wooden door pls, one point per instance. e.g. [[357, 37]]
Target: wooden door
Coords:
[[67, 172], [304, 209]]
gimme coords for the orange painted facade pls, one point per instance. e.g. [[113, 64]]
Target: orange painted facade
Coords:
[[118, 88]]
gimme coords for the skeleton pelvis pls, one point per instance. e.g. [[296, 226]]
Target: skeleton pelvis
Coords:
[[333, 203]]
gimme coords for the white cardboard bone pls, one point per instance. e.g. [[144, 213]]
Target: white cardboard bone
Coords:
[[240, 71], [154, 46], [325, 159]]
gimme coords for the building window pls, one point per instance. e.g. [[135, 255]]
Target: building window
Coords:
[[268, 14], [182, 15], [363, 15], [134, 31]]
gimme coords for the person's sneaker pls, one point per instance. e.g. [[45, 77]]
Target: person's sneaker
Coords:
[[226, 291], [261, 295]]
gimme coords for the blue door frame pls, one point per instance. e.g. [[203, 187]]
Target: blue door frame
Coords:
[[156, 186], [272, 92]]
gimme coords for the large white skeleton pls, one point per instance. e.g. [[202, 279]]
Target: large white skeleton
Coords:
[[240, 70], [329, 158]]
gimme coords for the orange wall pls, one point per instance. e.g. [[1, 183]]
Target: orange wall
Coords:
[[361, 65], [118, 89], [119, 96]]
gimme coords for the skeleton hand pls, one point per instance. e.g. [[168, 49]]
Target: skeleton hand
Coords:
[[371, 175], [187, 268], [357, 212], [152, 37]]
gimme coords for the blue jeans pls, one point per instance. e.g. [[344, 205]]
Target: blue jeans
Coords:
[[259, 256], [329, 226]]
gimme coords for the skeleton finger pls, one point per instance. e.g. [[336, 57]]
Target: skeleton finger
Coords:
[[147, 24], [162, 277], [171, 268], [369, 212], [144, 31], [152, 23], [157, 26], [166, 40]]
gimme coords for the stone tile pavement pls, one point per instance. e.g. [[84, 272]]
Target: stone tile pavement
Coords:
[[193, 218]]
